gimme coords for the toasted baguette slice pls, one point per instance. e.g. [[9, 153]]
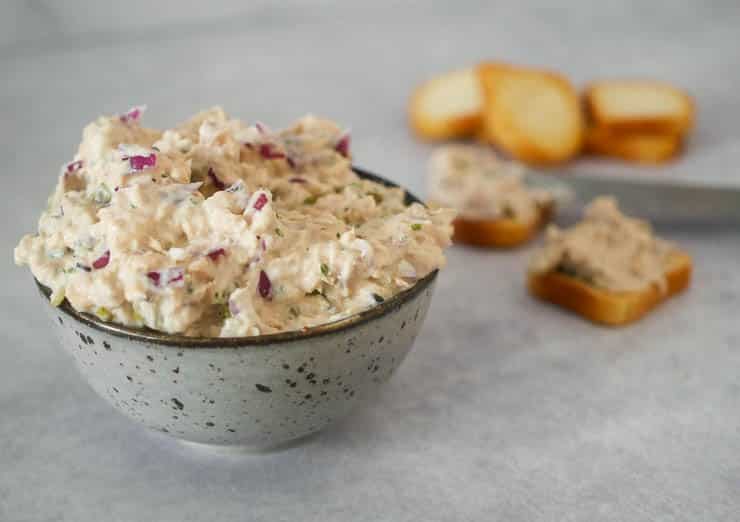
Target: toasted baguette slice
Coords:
[[447, 106], [638, 147], [606, 307], [534, 115], [501, 233], [639, 106]]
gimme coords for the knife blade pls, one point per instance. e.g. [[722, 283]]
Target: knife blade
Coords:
[[672, 202]]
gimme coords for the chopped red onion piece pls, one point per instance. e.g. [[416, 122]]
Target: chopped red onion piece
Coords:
[[139, 163], [297, 180], [261, 201], [233, 307], [174, 276], [220, 185], [102, 261], [262, 128], [73, 167], [213, 255], [263, 245], [133, 114], [268, 151], [342, 146], [264, 285]]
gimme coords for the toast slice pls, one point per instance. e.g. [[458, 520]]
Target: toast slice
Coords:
[[532, 114], [608, 307], [446, 107], [638, 147], [499, 233], [639, 106]]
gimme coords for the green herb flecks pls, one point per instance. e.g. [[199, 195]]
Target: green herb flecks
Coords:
[[103, 313], [325, 269], [57, 296], [102, 195], [416, 227], [219, 297], [317, 292], [222, 311]]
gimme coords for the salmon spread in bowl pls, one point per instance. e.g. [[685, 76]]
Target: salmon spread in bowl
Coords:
[[217, 228]]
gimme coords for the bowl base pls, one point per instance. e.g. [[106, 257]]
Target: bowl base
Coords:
[[245, 449]]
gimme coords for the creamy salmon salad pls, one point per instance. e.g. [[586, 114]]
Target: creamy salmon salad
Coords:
[[480, 185], [607, 250], [221, 228]]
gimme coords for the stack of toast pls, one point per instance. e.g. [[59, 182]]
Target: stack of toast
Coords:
[[538, 117]]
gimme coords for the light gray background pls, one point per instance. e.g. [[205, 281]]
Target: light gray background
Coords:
[[507, 409]]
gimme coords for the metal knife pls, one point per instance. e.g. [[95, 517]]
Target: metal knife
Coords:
[[672, 202]]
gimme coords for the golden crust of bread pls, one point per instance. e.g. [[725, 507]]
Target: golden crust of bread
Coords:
[[608, 307], [446, 107], [637, 147], [610, 105], [498, 233], [532, 114]]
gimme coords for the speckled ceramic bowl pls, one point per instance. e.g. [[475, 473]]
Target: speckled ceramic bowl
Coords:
[[255, 392]]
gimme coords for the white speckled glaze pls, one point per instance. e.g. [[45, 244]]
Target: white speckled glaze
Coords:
[[254, 394]]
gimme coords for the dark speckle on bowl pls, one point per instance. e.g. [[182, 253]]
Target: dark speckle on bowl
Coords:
[[263, 388]]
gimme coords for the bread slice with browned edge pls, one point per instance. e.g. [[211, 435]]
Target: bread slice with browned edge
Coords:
[[499, 233], [608, 307], [532, 114], [447, 106], [637, 147], [639, 106]]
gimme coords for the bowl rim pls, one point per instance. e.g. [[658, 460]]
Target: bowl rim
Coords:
[[182, 341]]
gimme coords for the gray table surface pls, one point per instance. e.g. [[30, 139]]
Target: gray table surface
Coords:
[[506, 409]]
